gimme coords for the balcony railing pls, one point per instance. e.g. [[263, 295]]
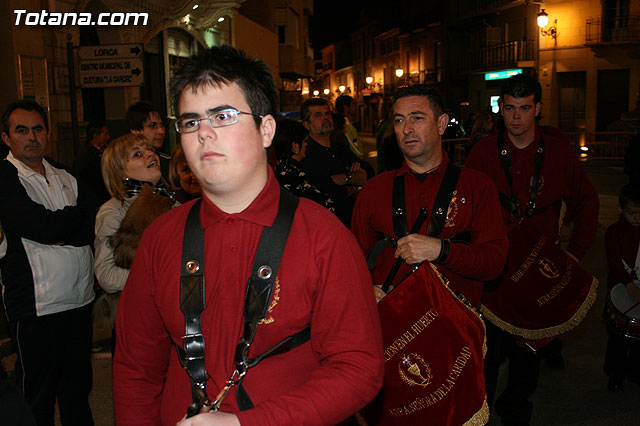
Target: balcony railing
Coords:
[[500, 55], [601, 145], [618, 30]]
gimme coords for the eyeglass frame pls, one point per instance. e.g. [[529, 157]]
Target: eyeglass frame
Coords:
[[209, 119]]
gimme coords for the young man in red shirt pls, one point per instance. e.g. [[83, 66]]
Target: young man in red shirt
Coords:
[[225, 103], [561, 178]]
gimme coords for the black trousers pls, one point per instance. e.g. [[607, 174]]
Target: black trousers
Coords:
[[512, 405], [622, 358], [54, 362]]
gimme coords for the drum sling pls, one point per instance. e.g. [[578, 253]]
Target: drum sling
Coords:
[[542, 292], [434, 341], [258, 294]]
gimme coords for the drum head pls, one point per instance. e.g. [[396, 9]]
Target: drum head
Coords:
[[622, 313]]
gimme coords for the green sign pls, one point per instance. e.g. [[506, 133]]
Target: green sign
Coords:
[[499, 75]]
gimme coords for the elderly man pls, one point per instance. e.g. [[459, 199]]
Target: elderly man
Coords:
[[47, 271], [319, 298]]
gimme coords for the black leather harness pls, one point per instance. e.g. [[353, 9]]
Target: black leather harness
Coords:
[[400, 225], [258, 295], [510, 204]]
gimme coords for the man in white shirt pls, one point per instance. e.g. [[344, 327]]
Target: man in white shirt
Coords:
[[47, 270]]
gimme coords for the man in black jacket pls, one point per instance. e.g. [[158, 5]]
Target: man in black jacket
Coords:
[[47, 272]]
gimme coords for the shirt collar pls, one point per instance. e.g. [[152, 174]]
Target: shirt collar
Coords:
[[404, 169], [530, 149], [29, 172], [262, 211]]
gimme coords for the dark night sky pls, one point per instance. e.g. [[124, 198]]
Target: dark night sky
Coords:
[[334, 19]]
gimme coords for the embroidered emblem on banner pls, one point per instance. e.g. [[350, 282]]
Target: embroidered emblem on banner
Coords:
[[548, 268], [414, 371], [452, 212], [274, 301]]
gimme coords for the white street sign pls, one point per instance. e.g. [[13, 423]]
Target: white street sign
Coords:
[[111, 73]]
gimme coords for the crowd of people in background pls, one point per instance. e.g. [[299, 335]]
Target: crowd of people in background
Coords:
[[62, 227]]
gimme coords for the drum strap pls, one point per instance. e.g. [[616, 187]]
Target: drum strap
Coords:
[[511, 204], [399, 217], [258, 294], [633, 271]]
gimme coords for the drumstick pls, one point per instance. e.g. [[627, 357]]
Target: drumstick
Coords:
[[422, 216]]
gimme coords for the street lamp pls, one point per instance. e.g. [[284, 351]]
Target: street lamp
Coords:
[[369, 80], [543, 20], [341, 88], [316, 92], [326, 91], [399, 72]]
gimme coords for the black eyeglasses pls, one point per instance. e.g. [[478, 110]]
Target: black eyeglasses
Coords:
[[222, 118]]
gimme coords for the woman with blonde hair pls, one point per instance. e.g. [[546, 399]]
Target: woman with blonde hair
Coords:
[[131, 172]]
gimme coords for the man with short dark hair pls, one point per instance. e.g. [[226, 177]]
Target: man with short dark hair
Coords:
[[87, 162], [145, 118], [544, 173], [47, 271], [225, 103], [419, 122], [335, 170]]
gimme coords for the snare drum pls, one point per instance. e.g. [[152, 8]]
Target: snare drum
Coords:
[[622, 313]]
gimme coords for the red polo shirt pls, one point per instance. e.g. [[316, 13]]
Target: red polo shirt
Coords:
[[474, 208], [562, 179], [322, 281]]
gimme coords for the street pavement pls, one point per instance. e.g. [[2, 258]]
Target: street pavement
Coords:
[[576, 395]]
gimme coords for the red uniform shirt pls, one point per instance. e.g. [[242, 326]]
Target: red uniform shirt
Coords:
[[474, 207], [322, 281], [562, 179]]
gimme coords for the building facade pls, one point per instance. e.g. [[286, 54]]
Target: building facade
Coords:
[[82, 73]]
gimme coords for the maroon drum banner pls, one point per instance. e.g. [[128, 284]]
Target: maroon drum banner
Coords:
[[434, 356], [542, 291]]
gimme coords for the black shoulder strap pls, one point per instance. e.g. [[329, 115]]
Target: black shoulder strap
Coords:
[[399, 220], [438, 214], [260, 287], [511, 204], [258, 294], [399, 214], [192, 303]]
